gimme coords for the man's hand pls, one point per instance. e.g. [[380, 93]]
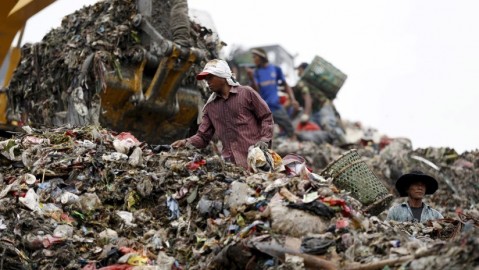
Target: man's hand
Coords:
[[179, 143], [250, 73], [295, 104], [261, 145]]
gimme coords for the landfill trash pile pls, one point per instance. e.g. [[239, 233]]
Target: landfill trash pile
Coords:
[[91, 198]]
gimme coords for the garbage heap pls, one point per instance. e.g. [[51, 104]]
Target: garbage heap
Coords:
[[90, 198]]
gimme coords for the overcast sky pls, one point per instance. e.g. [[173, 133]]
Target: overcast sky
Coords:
[[412, 65]]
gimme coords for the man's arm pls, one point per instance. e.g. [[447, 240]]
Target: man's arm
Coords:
[[308, 101], [263, 115], [202, 137], [252, 80], [281, 78], [289, 90]]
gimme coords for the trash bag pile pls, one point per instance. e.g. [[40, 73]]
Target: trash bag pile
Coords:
[[92, 198]]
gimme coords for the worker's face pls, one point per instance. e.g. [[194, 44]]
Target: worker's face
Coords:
[[215, 83], [417, 190], [300, 72], [257, 60]]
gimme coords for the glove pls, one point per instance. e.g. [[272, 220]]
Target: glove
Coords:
[[261, 145]]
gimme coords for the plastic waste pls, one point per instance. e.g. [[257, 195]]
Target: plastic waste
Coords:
[[115, 156], [316, 245], [124, 142], [108, 234], [28, 178], [3, 226], [31, 200], [162, 148], [136, 157], [264, 160], [68, 198], [257, 160], [49, 240], [195, 164], [173, 208], [63, 231], [133, 259], [127, 217], [208, 207], [295, 165], [314, 207]]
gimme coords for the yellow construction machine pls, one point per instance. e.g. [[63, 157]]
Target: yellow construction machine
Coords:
[[145, 98]]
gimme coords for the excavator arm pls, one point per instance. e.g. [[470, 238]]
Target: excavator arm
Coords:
[[162, 109]]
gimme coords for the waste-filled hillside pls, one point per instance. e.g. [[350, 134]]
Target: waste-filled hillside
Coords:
[[82, 196], [91, 198]]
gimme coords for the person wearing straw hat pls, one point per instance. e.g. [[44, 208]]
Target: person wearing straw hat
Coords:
[[265, 79], [414, 185], [236, 114]]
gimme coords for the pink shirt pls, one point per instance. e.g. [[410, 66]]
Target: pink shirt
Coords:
[[239, 121]]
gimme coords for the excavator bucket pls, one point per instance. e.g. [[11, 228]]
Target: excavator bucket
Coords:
[[150, 103], [147, 98]]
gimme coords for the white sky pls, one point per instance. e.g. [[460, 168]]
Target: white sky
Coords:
[[412, 65]]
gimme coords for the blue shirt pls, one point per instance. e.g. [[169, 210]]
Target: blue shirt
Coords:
[[402, 212], [268, 78]]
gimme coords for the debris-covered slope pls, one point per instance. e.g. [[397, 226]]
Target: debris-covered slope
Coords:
[[91, 198]]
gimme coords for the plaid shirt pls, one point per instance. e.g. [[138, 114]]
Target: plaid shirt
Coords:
[[239, 121], [402, 212]]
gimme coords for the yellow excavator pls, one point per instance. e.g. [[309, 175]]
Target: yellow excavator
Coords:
[[145, 98]]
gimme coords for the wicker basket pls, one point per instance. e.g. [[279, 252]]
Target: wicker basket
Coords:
[[352, 174], [324, 76], [336, 166]]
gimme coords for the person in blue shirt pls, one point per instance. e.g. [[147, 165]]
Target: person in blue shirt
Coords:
[[414, 185], [266, 79]]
